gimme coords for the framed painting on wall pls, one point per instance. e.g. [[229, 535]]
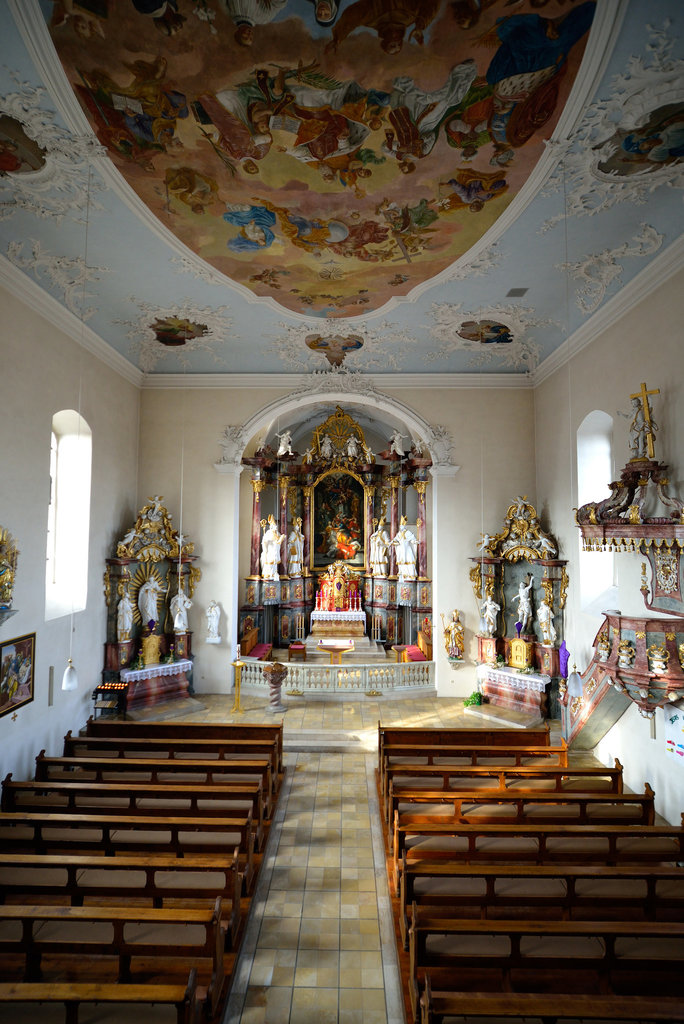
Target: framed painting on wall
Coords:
[[17, 661], [338, 520]]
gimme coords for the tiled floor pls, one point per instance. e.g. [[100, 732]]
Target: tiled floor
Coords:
[[319, 944]]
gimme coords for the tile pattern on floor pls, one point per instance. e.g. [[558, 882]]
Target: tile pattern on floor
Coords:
[[319, 944]]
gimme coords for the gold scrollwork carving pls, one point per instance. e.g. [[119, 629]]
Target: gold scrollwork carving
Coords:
[[421, 487], [476, 580], [564, 581], [257, 486], [576, 705], [107, 585]]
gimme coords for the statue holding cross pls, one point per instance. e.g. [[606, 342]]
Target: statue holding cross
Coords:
[[643, 427]]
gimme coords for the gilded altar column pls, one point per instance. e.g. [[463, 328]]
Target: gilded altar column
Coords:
[[369, 506], [255, 547], [307, 529], [421, 523], [284, 485], [394, 522]]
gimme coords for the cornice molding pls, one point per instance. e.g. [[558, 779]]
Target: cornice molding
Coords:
[[288, 382], [58, 316], [658, 271]]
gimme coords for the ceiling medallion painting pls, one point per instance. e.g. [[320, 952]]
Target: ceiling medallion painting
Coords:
[[329, 157]]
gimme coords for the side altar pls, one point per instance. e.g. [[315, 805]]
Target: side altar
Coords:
[[148, 585], [521, 589], [332, 553]]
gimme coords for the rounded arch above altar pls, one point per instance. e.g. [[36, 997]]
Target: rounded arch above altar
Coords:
[[347, 388], [337, 466]]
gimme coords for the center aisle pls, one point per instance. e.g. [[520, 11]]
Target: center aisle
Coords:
[[319, 945]]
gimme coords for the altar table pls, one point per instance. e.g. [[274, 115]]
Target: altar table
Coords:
[[156, 683]]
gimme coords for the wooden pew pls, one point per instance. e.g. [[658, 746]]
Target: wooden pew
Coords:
[[201, 730], [540, 844], [181, 999], [523, 805], [537, 737], [160, 747], [545, 957], [49, 832], [190, 881], [78, 934], [115, 769], [470, 777], [437, 1005], [642, 892], [407, 753], [216, 800]]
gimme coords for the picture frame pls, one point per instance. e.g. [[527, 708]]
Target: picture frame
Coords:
[[338, 520], [17, 669]]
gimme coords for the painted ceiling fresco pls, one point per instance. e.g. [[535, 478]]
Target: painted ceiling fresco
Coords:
[[328, 156], [283, 187]]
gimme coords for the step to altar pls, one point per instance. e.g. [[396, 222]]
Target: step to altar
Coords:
[[365, 650]]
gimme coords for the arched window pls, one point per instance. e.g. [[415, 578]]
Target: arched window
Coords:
[[594, 473], [68, 531]]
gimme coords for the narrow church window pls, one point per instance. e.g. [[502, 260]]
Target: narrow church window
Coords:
[[68, 526], [594, 473]]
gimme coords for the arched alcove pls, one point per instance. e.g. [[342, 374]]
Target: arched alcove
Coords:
[[300, 411]]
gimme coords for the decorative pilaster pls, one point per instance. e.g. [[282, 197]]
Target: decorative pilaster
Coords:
[[283, 486], [255, 546], [421, 523], [394, 521], [307, 529], [368, 525]]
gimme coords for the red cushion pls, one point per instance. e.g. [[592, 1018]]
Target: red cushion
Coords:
[[261, 651], [414, 653]]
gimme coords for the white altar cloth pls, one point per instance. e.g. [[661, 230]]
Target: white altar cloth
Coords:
[[355, 616], [134, 675]]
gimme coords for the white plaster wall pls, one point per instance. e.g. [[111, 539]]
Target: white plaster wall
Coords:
[[41, 369], [493, 435], [645, 346]]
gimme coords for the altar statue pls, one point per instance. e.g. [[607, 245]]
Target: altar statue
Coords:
[[407, 550], [525, 604], [295, 549], [454, 636], [353, 449], [270, 549], [179, 611], [124, 618], [545, 620], [326, 447], [379, 550], [213, 614], [148, 600], [395, 444], [489, 611], [285, 446]]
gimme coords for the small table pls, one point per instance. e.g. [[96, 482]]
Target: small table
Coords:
[[399, 651], [336, 649], [296, 652]]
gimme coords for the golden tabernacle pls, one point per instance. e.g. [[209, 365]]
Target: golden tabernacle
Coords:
[[338, 611]]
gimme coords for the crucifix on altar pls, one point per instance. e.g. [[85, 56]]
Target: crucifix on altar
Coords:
[[643, 427]]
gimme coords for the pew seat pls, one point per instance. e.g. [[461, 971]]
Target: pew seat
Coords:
[[116, 942]]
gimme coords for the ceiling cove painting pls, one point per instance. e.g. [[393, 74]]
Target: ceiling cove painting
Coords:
[[329, 156]]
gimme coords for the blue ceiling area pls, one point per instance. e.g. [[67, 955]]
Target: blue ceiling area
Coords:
[[475, 195]]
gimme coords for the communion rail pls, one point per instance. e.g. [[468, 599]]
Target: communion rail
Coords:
[[399, 679]]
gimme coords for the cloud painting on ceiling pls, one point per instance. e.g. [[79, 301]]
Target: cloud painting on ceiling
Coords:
[[327, 156]]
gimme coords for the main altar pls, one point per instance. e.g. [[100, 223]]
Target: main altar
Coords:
[[338, 545]]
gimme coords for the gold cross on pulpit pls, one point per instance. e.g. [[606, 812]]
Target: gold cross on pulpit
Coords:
[[642, 396]]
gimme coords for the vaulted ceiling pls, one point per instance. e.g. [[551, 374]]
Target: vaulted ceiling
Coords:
[[393, 186]]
